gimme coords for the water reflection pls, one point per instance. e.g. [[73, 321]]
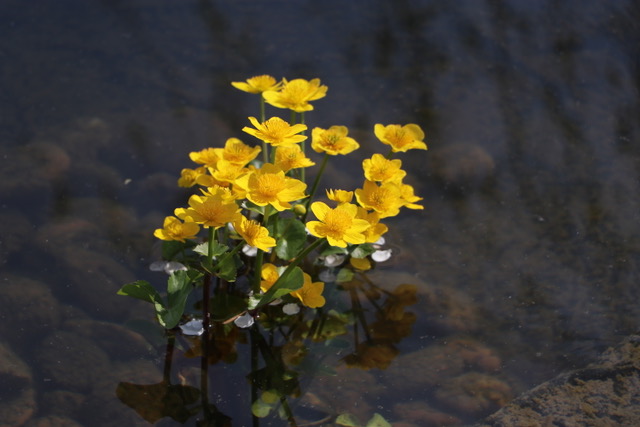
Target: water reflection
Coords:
[[529, 243]]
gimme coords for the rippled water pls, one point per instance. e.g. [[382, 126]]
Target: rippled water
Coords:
[[526, 254]]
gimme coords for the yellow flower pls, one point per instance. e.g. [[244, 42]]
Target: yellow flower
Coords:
[[226, 172], [340, 196], [340, 225], [189, 177], [237, 152], [401, 138], [269, 186], [207, 179], [257, 84], [296, 94], [333, 141], [207, 157], [269, 275], [291, 157], [376, 229], [276, 131], [310, 294], [174, 229], [384, 199], [254, 234], [213, 209], [379, 168], [409, 198]]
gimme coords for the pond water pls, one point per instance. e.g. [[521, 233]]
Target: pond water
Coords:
[[525, 258]]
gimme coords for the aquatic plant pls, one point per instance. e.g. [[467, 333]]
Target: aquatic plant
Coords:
[[261, 267]]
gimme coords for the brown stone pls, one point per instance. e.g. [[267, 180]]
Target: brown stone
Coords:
[[605, 393]]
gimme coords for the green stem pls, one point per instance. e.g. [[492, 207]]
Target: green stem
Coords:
[[303, 148], [314, 187], [265, 147], [257, 268], [390, 154], [288, 270]]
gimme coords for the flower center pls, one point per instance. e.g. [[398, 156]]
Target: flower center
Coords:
[[269, 185], [337, 222]]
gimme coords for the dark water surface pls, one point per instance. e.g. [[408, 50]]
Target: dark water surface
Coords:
[[525, 257]]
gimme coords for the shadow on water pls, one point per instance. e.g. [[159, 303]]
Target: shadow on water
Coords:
[[525, 258]]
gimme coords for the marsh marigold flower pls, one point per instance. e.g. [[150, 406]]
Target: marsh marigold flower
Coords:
[[269, 275], [401, 138], [254, 234], [226, 172], [207, 157], [257, 84], [189, 177], [376, 229], [310, 294], [340, 225], [379, 168], [296, 94], [174, 229], [276, 131], [409, 198], [237, 152], [269, 186], [340, 196], [291, 157], [333, 141], [385, 199], [214, 209]]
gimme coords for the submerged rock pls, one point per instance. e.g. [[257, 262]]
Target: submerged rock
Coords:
[[71, 361], [605, 393], [17, 395], [28, 309]]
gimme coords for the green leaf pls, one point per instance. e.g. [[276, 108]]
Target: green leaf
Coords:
[[178, 289], [361, 251], [347, 420], [330, 250], [286, 284], [292, 239], [141, 289], [378, 421], [171, 248], [218, 249], [227, 269]]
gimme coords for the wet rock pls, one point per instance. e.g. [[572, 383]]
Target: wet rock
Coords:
[[103, 408], [421, 414], [17, 395], [28, 309], [53, 421], [343, 393], [474, 394], [71, 361], [15, 230], [462, 166], [32, 167], [61, 403], [605, 393], [94, 280], [117, 341], [448, 311], [439, 363]]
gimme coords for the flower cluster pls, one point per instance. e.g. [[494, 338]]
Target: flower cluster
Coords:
[[243, 237], [262, 203]]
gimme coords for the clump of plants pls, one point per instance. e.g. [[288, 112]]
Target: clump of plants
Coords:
[[264, 251]]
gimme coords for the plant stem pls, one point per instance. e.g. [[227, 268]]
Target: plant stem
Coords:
[[257, 268], [265, 147], [314, 187]]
